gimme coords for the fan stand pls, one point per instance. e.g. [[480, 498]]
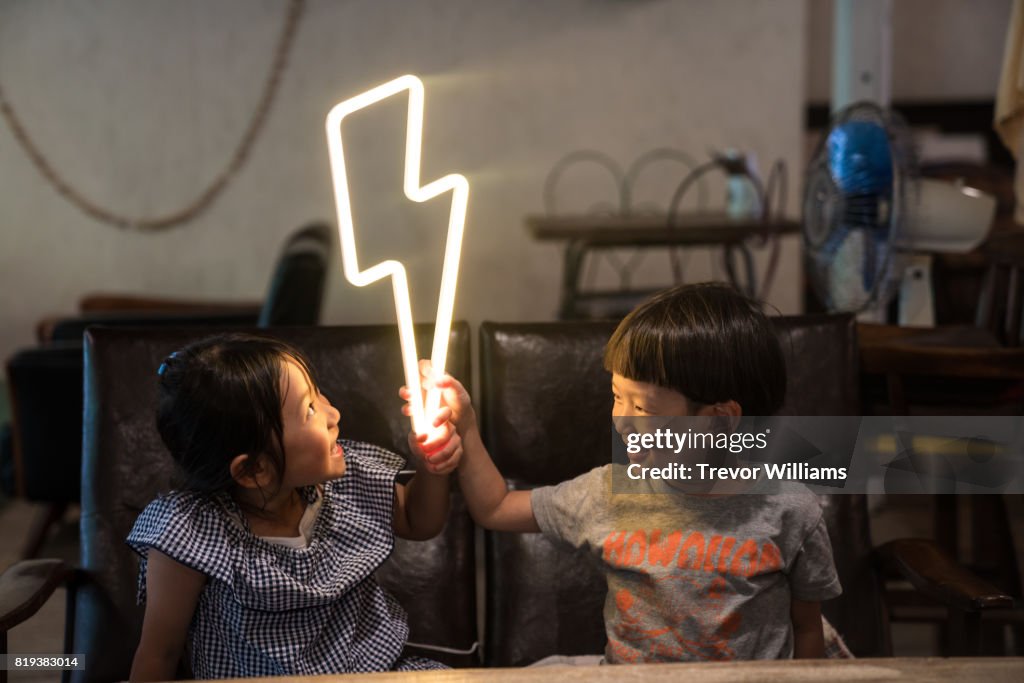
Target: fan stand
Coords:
[[916, 303], [874, 314]]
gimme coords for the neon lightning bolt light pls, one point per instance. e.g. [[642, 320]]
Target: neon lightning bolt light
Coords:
[[455, 183]]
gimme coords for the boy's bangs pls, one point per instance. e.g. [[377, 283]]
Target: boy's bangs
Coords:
[[637, 354]]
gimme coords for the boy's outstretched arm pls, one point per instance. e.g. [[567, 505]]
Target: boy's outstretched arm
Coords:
[[808, 636], [490, 503]]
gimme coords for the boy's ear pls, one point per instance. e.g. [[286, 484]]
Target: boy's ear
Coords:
[[729, 412], [728, 408], [250, 473]]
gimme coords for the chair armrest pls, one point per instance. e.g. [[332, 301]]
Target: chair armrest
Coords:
[[934, 573], [26, 586]]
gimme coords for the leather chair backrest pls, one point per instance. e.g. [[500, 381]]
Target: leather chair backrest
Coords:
[[125, 465], [822, 367], [45, 386], [294, 296], [297, 285], [823, 375], [72, 328], [539, 383], [546, 404], [46, 381]]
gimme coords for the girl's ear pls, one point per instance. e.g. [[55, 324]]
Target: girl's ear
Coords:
[[250, 473]]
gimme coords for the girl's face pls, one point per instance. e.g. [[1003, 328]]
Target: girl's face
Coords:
[[311, 450]]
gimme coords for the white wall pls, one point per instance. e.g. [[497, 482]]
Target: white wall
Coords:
[[941, 49], [139, 103]]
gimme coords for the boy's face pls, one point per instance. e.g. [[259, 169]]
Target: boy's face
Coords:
[[634, 399]]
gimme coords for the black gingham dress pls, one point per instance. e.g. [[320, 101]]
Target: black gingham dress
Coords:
[[270, 610]]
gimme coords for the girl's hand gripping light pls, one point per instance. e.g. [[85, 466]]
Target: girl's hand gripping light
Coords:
[[422, 410]]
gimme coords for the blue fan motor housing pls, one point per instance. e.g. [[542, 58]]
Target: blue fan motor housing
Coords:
[[860, 158]]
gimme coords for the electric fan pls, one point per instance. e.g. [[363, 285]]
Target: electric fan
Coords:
[[867, 218], [853, 203]]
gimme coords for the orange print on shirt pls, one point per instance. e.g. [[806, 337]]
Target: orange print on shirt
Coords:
[[717, 553], [680, 633], [652, 623]]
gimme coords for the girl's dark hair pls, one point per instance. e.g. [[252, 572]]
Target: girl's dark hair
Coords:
[[708, 342], [220, 397]]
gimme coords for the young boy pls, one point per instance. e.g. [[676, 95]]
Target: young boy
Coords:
[[691, 576]]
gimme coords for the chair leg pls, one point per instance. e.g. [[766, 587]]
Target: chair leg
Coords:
[[897, 394], [966, 632], [946, 520], [985, 314], [993, 640], [1013, 306], [69, 622], [41, 529]]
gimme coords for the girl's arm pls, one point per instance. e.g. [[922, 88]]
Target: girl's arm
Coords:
[[172, 592], [490, 503], [421, 506], [808, 636]]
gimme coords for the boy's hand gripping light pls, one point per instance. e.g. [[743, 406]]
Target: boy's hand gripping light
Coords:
[[457, 184]]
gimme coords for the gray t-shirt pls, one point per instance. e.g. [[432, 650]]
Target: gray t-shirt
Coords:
[[694, 577]]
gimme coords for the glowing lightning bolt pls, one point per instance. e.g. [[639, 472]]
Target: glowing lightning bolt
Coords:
[[455, 183]]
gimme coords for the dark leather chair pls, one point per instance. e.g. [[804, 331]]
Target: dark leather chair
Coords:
[[962, 370], [545, 401], [45, 382], [294, 296], [822, 379], [125, 465], [297, 286], [545, 404]]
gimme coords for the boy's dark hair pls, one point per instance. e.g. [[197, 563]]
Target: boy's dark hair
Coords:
[[708, 342], [220, 397]]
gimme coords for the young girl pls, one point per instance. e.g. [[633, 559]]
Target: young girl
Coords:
[[730, 575], [262, 564]]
